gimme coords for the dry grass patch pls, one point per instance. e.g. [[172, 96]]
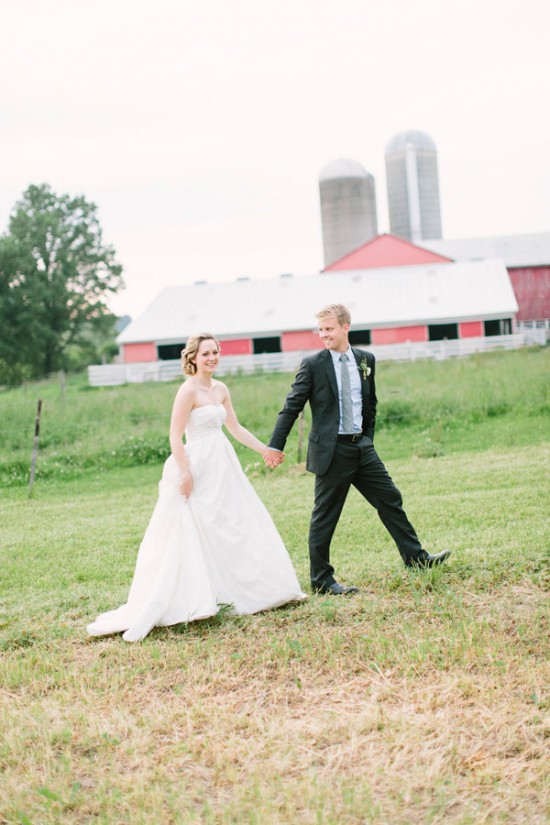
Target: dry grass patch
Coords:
[[287, 717], [422, 700]]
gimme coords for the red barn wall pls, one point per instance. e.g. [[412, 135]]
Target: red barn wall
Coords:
[[471, 329], [306, 339], [237, 346], [399, 335], [531, 285], [136, 353]]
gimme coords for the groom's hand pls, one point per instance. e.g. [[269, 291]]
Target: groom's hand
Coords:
[[272, 458]]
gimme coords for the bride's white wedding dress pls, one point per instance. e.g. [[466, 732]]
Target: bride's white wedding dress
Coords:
[[219, 546]]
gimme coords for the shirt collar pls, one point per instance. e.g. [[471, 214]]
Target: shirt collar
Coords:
[[336, 355]]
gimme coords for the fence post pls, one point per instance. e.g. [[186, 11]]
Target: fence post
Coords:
[[62, 386], [35, 445]]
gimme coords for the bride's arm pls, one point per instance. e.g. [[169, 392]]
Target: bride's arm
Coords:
[[183, 404], [237, 430]]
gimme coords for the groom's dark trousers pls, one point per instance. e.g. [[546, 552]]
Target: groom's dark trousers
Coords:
[[358, 465], [339, 462]]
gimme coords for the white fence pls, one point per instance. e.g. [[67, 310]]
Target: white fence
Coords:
[[536, 332], [103, 375]]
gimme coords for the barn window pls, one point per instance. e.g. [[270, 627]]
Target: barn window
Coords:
[[439, 332], [502, 326], [168, 352], [359, 336], [270, 344]]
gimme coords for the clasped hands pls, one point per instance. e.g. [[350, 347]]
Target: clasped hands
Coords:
[[272, 458]]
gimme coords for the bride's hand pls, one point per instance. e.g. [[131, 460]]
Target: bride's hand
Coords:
[[186, 485], [272, 458]]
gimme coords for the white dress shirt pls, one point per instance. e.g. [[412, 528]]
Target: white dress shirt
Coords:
[[355, 384]]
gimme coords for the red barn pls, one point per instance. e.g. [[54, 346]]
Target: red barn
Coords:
[[527, 259], [386, 250]]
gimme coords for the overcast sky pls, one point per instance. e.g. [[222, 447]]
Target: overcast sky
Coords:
[[199, 128]]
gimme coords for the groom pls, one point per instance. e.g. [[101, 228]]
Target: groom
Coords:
[[339, 384]]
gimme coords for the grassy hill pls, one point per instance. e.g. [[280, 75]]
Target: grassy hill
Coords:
[[426, 408], [423, 699]]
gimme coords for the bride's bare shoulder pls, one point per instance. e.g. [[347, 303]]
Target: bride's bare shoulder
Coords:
[[186, 392], [222, 389]]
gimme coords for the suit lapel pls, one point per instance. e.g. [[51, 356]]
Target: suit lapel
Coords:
[[365, 390], [331, 374]]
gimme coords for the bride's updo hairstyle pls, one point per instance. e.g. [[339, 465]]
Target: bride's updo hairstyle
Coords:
[[189, 354]]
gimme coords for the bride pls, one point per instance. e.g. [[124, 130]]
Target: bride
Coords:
[[210, 541]]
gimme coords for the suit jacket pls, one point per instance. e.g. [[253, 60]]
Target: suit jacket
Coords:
[[316, 382]]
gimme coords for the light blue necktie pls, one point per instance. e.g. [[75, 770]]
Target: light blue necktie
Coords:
[[347, 408]]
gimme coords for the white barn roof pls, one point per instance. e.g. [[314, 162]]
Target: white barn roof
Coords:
[[388, 297], [515, 250]]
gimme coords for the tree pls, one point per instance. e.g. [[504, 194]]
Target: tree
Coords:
[[18, 323], [55, 273]]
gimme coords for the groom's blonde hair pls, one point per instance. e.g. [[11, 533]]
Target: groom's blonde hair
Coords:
[[338, 311]]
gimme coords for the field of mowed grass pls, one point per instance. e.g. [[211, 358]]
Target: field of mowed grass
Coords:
[[423, 699]]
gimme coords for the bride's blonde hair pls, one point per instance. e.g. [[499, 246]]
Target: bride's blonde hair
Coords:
[[189, 354]]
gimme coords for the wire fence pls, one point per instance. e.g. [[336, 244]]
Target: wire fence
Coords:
[[41, 453], [27, 432], [162, 419], [110, 424]]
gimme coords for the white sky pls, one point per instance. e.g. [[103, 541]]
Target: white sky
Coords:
[[200, 128]]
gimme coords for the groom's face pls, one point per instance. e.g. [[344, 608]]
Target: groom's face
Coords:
[[333, 334]]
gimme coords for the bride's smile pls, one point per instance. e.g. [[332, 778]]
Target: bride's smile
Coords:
[[208, 356]]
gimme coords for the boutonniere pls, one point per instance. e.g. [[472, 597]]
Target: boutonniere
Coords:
[[365, 369]]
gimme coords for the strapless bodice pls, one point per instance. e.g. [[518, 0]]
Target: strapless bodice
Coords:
[[205, 421]]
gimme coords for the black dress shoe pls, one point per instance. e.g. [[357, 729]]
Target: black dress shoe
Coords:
[[427, 560], [336, 589]]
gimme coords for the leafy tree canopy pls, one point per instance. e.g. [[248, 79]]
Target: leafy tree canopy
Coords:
[[55, 274]]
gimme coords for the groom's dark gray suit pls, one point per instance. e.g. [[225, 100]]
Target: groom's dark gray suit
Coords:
[[338, 462]]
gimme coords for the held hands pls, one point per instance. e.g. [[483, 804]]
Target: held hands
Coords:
[[272, 458]]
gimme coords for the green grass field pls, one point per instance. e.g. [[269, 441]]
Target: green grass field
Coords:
[[423, 699]]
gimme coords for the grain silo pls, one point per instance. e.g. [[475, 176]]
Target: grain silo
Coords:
[[348, 208], [413, 186]]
